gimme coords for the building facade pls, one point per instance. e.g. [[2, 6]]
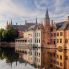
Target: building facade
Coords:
[[33, 45], [47, 44]]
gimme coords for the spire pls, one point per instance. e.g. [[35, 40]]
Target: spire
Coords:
[[36, 21], [47, 15], [7, 23], [47, 19], [11, 21]]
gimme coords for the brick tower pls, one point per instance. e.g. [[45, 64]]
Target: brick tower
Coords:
[[47, 28]]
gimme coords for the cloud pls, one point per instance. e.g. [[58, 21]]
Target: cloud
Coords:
[[19, 10]]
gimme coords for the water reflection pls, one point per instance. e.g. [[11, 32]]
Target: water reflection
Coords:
[[11, 57], [8, 56]]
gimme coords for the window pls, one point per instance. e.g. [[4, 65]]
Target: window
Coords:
[[57, 40], [39, 34], [54, 54], [60, 64], [54, 41], [57, 56], [39, 54], [57, 34], [25, 40], [39, 60], [35, 40], [66, 57], [39, 40], [57, 62], [60, 57], [60, 40], [61, 33]]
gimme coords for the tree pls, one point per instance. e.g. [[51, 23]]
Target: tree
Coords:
[[10, 34], [1, 31]]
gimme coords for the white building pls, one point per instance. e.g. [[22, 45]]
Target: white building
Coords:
[[33, 37]]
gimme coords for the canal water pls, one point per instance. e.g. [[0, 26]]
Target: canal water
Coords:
[[9, 60]]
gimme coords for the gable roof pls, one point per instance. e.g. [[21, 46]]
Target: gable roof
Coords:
[[62, 25]]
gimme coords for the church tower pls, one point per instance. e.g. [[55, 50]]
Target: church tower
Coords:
[[47, 32], [47, 19]]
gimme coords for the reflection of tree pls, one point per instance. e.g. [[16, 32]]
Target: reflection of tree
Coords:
[[1, 54], [8, 54]]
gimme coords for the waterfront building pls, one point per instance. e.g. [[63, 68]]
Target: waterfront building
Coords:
[[47, 44], [34, 43], [57, 48]]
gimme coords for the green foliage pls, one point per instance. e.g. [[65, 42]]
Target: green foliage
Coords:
[[1, 31], [9, 34]]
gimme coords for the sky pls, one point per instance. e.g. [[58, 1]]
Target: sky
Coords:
[[21, 10]]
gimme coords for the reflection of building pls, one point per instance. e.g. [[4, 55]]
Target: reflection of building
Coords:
[[46, 44]]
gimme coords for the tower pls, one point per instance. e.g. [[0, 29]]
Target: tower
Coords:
[[47, 19], [47, 32], [47, 39]]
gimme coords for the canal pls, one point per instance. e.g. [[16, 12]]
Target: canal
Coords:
[[9, 59]]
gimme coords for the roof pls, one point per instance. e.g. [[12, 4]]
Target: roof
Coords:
[[23, 27], [62, 25], [34, 27]]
